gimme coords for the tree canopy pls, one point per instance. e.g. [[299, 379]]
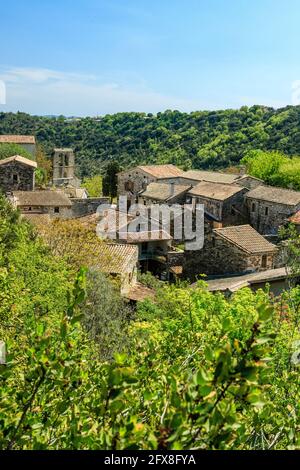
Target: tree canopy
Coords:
[[201, 139]]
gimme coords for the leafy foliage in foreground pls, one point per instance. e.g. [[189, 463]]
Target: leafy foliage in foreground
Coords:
[[201, 139], [196, 371]]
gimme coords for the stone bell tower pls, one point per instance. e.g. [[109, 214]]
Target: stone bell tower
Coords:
[[63, 167]]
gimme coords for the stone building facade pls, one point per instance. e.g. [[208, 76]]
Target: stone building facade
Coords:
[[231, 251], [17, 173], [53, 203], [132, 182], [25, 141], [269, 207], [224, 203]]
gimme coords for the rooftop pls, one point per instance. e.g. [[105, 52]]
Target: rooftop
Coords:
[[212, 176], [234, 283], [41, 198], [17, 139], [246, 238], [117, 258], [273, 194], [154, 235], [164, 191], [19, 159], [140, 292], [218, 191], [295, 219], [160, 171]]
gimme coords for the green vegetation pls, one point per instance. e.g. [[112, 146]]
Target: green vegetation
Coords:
[[192, 370], [93, 185], [9, 150], [274, 168], [202, 139]]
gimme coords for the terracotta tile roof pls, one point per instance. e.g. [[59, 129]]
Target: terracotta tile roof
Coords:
[[18, 158], [37, 219], [164, 191], [17, 139], [117, 258], [295, 219], [176, 270], [246, 238], [161, 171], [41, 198], [140, 292], [273, 194], [217, 191], [212, 176], [154, 235]]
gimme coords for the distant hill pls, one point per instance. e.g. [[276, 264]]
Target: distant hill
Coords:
[[202, 139]]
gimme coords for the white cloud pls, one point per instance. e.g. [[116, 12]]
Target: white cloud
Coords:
[[45, 91]]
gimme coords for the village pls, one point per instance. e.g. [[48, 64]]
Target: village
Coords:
[[241, 224]]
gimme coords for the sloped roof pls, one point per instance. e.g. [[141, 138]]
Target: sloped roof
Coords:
[[140, 292], [117, 258], [234, 283], [151, 235], [164, 191], [37, 219], [19, 159], [277, 195], [295, 219], [41, 198], [17, 139], [212, 176], [217, 191], [246, 238], [161, 171]]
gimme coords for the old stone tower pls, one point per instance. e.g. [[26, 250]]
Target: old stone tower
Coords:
[[63, 167]]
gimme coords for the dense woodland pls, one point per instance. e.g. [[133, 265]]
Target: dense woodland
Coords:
[[202, 139]]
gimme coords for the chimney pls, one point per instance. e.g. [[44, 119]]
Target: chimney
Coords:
[[172, 189]]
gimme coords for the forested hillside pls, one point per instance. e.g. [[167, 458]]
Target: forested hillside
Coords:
[[202, 139]]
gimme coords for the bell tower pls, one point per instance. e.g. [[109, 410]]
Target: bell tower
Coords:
[[63, 166]]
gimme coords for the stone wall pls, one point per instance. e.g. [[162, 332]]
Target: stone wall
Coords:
[[219, 257], [64, 212], [131, 182], [15, 176], [82, 207], [266, 217]]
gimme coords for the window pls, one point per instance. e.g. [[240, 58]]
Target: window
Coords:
[[253, 208], [264, 261], [56, 210], [266, 211], [15, 178]]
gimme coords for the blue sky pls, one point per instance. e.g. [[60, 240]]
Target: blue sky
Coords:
[[89, 57]]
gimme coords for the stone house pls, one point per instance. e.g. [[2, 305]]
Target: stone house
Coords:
[[224, 203], [132, 182], [25, 141], [17, 173], [120, 262], [231, 250], [268, 207], [53, 203]]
